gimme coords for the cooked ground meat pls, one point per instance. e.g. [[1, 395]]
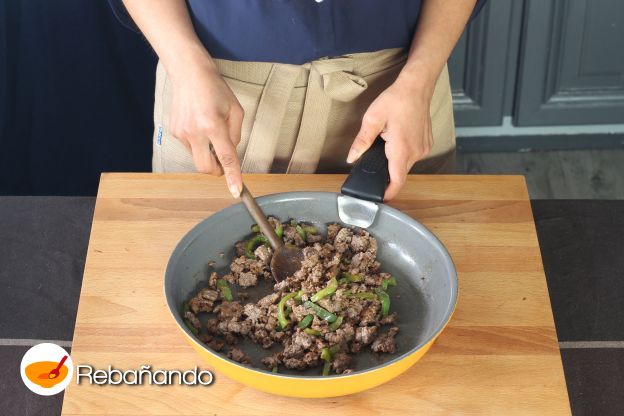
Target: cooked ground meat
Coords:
[[190, 316], [386, 342], [340, 273], [365, 334], [247, 279], [203, 301], [238, 355], [213, 342]]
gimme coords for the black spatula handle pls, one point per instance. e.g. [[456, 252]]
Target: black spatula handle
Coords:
[[369, 176]]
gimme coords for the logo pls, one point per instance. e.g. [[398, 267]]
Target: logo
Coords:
[[46, 369]]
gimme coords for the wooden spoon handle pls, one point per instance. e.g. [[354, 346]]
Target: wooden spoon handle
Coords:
[[256, 213]]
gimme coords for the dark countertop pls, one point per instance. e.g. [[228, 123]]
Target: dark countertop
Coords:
[[44, 241]]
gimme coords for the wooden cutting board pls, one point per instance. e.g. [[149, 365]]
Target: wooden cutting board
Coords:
[[498, 355]]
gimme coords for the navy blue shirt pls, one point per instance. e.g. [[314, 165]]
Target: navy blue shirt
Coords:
[[299, 31]]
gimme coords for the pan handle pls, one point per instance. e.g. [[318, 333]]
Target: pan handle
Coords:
[[369, 176]]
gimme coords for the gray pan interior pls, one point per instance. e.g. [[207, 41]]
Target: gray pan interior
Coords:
[[427, 282]]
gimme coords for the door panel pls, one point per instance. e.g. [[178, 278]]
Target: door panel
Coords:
[[572, 63]]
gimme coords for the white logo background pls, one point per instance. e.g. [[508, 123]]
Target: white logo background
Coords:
[[46, 352]]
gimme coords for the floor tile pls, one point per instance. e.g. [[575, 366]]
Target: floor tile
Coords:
[[565, 174], [42, 251], [582, 244], [595, 379], [16, 398]]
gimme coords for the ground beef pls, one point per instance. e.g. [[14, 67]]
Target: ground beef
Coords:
[[247, 279], [263, 253], [203, 301], [213, 342], [365, 334], [192, 319], [386, 342], [229, 310], [238, 355], [342, 240], [341, 362], [345, 254], [359, 242]]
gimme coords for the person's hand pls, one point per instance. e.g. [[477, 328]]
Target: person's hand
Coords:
[[205, 112], [401, 115]]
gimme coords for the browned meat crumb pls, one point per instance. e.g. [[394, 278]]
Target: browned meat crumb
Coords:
[[341, 362], [238, 355], [386, 342], [332, 230], [212, 280], [203, 301], [342, 240], [365, 334], [263, 253], [389, 320], [271, 361], [369, 312], [190, 316], [247, 279], [229, 310], [214, 343]]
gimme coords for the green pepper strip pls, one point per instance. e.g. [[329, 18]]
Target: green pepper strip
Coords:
[[252, 243], [185, 309], [279, 229], [223, 286], [330, 289], [306, 321], [326, 368], [301, 232], [281, 315], [385, 302], [311, 331], [188, 324], [274, 370], [391, 281], [364, 295], [310, 229], [349, 278], [327, 355], [320, 312], [334, 325]]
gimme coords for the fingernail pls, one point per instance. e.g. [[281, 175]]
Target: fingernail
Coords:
[[352, 156], [234, 191]]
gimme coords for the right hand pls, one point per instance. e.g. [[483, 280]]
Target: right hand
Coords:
[[205, 111]]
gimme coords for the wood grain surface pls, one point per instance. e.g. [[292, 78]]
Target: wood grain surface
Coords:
[[499, 354]]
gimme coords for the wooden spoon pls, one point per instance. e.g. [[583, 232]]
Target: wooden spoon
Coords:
[[286, 259]]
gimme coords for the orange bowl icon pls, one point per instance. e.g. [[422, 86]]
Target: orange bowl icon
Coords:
[[41, 373]]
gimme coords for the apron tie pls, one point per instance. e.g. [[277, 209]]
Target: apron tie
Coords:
[[329, 79], [270, 113]]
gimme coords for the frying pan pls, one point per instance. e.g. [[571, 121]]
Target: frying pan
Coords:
[[424, 298]]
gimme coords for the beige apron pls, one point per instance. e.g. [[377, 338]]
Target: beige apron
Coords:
[[303, 118]]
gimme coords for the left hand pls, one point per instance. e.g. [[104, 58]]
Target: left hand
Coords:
[[401, 115]]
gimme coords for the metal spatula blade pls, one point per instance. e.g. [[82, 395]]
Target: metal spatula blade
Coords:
[[365, 187]]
